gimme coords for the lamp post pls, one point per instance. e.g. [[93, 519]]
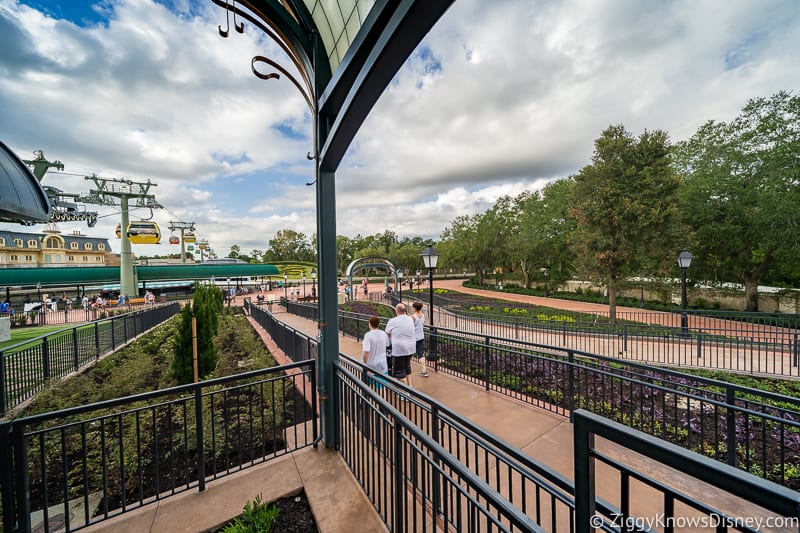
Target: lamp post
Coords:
[[431, 258], [314, 283], [684, 262], [544, 271], [400, 283], [304, 285], [285, 286]]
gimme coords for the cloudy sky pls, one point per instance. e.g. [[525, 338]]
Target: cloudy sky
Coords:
[[502, 96]]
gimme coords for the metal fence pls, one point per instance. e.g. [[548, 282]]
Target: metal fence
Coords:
[[64, 470], [400, 446], [754, 343], [753, 430], [707, 342], [25, 368], [761, 506]]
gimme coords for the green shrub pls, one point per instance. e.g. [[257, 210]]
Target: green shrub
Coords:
[[257, 517]]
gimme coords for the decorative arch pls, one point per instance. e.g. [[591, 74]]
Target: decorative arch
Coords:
[[363, 263]]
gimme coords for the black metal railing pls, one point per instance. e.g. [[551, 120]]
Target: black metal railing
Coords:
[[373, 437], [761, 505], [25, 368], [751, 429], [708, 342], [738, 342], [67, 469], [408, 475]]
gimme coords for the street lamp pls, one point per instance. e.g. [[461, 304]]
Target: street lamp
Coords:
[[304, 285], [314, 283], [400, 282], [285, 286], [430, 258], [544, 271], [684, 262]]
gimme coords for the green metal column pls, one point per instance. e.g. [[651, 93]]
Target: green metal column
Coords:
[[126, 281], [328, 302], [183, 247]]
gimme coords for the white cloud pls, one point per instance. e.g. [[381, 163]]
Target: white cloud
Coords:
[[502, 95]]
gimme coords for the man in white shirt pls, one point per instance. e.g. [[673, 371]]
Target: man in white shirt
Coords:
[[374, 347], [401, 332]]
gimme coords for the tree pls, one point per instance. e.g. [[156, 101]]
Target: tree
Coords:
[[466, 242], [290, 245], [235, 252], [625, 204], [741, 197], [205, 310], [539, 239]]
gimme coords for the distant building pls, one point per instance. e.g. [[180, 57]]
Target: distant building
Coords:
[[51, 249]]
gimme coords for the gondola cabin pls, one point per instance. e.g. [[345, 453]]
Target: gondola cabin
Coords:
[[189, 237], [174, 240], [144, 232], [118, 231]]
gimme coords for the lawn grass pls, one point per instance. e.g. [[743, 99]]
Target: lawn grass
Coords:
[[23, 334]]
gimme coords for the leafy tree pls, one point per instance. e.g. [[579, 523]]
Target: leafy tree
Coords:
[[539, 239], [741, 196], [466, 242], [290, 245], [256, 256], [625, 204], [206, 309], [235, 252]]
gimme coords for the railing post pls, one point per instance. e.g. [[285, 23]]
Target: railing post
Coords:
[[399, 479], [584, 477], [45, 358], [796, 350], [76, 358], [113, 337], [699, 344], [730, 398], [97, 339], [436, 477], [201, 455], [3, 405], [486, 366], [7, 476], [571, 385]]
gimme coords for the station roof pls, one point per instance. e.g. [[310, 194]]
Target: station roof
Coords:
[[22, 198]]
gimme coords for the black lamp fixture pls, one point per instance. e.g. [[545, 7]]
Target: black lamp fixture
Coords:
[[430, 257], [314, 282], [684, 262]]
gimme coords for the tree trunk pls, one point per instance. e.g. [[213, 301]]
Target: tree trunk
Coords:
[[612, 301], [751, 294]]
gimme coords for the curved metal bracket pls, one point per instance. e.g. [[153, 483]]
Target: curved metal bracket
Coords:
[[239, 27]]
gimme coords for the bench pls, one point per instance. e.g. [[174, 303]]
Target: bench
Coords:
[[129, 301]]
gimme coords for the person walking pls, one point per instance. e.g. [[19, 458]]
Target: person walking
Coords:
[[419, 336], [374, 347], [400, 330]]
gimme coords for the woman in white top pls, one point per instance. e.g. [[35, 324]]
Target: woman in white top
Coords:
[[419, 335]]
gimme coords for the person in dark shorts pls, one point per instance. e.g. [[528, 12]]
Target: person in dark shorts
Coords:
[[401, 333]]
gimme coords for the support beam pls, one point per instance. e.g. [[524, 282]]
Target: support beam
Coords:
[[328, 303]]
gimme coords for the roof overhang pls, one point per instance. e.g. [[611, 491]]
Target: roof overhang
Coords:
[[22, 198]]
